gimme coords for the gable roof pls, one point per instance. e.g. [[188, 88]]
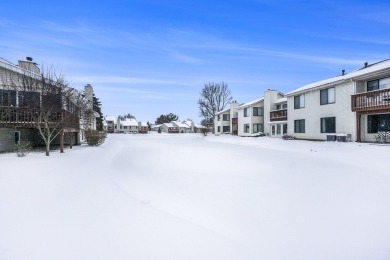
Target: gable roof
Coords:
[[110, 118], [378, 67], [180, 124], [250, 103], [222, 111], [281, 100], [129, 122]]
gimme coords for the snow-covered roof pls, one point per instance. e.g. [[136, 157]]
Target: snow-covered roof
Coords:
[[168, 125], [281, 100], [188, 122], [381, 66], [222, 111], [129, 122], [199, 126], [180, 124], [143, 123], [250, 103], [110, 118]]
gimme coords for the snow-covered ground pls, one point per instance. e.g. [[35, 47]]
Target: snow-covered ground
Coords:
[[188, 197]]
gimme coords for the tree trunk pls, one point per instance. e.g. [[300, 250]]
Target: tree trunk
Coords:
[[62, 141], [47, 148]]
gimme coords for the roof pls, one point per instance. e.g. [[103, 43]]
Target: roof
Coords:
[[222, 111], [143, 123], [199, 126], [110, 118], [129, 122], [251, 103], [281, 100], [188, 122], [359, 73], [180, 124], [169, 124]]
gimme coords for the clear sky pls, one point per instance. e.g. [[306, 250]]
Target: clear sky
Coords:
[[152, 57]]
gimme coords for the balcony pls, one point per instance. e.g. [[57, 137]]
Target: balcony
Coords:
[[234, 120], [278, 115], [371, 101], [16, 117]]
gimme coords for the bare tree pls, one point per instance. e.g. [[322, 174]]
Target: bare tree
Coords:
[[214, 97], [47, 103]]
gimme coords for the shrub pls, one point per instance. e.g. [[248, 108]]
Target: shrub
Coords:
[[22, 149], [288, 137], [204, 131], [95, 137]]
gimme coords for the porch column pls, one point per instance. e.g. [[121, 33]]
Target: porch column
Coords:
[[71, 140], [62, 141], [358, 127]]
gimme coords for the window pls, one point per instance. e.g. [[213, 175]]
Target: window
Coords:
[[246, 128], [284, 129], [327, 96], [299, 126], [17, 137], [278, 129], [7, 98], [299, 101], [219, 129], [219, 117], [328, 125], [257, 111], [273, 130], [125, 127], [29, 99], [277, 107], [246, 112], [284, 106], [226, 129], [377, 123], [226, 117], [378, 84], [257, 128]]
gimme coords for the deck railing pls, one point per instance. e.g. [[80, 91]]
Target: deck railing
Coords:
[[372, 100], [278, 115], [25, 117]]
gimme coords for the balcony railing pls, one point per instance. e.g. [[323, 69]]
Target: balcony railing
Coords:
[[373, 100], [27, 118], [278, 115]]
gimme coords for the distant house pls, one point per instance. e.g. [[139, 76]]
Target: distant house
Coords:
[[198, 128], [190, 124], [267, 114], [183, 128], [110, 124], [127, 126], [225, 121], [143, 127], [169, 128]]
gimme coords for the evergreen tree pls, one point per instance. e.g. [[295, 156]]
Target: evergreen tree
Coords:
[[97, 106], [166, 118]]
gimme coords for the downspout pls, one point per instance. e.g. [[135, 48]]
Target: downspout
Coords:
[[355, 114]]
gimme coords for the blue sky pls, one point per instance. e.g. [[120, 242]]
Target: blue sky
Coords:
[[152, 57]]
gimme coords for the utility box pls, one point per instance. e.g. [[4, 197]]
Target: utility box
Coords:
[[341, 138], [331, 138]]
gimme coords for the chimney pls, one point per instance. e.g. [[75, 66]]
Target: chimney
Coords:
[[365, 64], [29, 59], [343, 72]]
